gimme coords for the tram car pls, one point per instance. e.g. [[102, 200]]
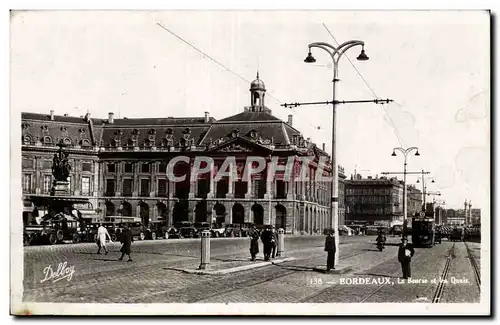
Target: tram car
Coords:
[[423, 231]]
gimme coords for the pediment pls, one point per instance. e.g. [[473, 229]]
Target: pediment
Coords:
[[238, 145]]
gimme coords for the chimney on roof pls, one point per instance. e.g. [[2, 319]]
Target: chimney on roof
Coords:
[[111, 117], [66, 114], [290, 119], [87, 116], [51, 114], [207, 117], [324, 147], [308, 139]]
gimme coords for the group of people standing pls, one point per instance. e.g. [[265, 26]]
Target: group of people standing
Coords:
[[269, 239], [126, 239]]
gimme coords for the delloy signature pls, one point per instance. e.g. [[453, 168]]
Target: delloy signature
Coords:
[[62, 272]]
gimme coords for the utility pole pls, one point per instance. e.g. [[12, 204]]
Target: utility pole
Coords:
[[336, 53]]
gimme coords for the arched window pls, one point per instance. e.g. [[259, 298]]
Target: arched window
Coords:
[[47, 140], [85, 143], [67, 141]]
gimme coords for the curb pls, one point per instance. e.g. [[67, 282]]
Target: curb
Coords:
[[235, 269]]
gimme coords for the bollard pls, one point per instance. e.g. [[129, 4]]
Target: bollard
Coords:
[[281, 242], [205, 250]]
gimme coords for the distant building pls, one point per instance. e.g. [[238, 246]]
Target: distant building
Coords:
[[476, 216], [414, 200], [373, 200], [341, 185], [455, 216]]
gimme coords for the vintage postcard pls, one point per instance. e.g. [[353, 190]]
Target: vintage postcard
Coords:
[[250, 162]]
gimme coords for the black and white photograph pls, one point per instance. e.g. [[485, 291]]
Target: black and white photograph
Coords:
[[250, 162]]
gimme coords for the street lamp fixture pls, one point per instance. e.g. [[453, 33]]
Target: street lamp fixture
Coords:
[[362, 56], [309, 58], [405, 152]]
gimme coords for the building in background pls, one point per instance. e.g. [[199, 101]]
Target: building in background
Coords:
[[476, 216], [121, 166], [414, 200], [377, 201]]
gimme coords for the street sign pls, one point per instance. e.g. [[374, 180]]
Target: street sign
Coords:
[[422, 214]]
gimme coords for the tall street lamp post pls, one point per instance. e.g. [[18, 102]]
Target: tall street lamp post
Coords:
[[336, 53], [405, 153], [424, 188]]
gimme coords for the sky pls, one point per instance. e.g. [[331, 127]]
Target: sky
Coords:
[[433, 64]]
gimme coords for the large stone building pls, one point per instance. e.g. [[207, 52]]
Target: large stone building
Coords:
[[120, 165], [373, 200]]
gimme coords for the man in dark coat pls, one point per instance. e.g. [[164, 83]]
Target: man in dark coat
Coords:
[[330, 248], [405, 253], [126, 239], [254, 242], [267, 237]]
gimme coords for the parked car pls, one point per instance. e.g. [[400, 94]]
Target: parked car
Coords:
[[53, 230], [182, 229], [238, 229], [157, 229], [199, 227], [217, 232]]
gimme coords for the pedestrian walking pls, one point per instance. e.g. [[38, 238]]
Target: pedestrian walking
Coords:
[[330, 249], [254, 242], [126, 239], [405, 253], [266, 238], [102, 233]]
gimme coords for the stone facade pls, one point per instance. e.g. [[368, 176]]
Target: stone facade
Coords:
[[373, 200], [121, 166]]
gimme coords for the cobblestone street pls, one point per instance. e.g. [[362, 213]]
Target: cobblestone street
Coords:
[[150, 278]]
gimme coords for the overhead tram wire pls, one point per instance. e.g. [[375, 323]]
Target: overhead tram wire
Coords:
[[398, 134], [315, 127]]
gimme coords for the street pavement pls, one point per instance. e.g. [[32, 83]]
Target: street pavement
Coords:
[[151, 277]]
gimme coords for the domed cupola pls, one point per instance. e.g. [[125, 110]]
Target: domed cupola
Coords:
[[257, 92]]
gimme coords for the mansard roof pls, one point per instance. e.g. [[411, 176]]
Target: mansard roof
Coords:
[[39, 128]]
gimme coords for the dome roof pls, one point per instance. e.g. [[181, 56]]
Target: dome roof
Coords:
[[257, 84]]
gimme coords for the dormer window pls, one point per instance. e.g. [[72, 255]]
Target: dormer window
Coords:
[[47, 140], [253, 134], [169, 131], [235, 133]]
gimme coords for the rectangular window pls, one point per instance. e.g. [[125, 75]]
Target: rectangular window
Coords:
[[127, 187], [162, 187], [27, 163], [86, 167], [110, 187], [128, 168], [162, 168], [47, 183], [85, 185], [145, 168], [47, 164], [27, 183], [111, 168], [144, 187]]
